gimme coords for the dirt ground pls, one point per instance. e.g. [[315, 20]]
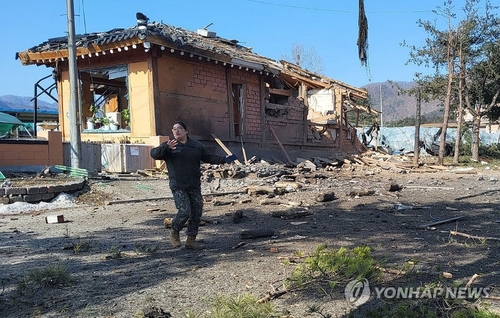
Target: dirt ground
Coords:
[[121, 264]]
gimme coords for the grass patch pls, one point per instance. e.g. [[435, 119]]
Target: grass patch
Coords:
[[328, 267], [114, 253], [244, 305], [466, 161], [428, 309], [240, 306], [49, 277], [82, 246], [404, 309]]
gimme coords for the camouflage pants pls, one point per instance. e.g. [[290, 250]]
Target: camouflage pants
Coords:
[[189, 204]]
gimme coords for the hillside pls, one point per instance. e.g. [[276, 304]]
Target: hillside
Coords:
[[11, 103], [398, 106]]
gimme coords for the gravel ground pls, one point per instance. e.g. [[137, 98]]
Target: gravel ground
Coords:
[[121, 263]]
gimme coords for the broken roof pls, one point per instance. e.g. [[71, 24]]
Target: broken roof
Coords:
[[202, 44]]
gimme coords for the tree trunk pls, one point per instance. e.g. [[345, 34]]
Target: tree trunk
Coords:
[[447, 102], [476, 126], [416, 147], [458, 137]]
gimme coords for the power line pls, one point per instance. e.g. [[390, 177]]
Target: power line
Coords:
[[335, 10]]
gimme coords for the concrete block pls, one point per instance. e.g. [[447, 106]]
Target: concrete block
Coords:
[[59, 188], [32, 197], [15, 198], [15, 191], [33, 190], [54, 219], [48, 196]]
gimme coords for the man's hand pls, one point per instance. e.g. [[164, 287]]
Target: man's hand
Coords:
[[231, 158], [172, 143]]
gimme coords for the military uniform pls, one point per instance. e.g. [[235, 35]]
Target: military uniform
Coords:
[[183, 164]]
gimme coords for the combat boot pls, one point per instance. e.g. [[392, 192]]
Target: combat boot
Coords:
[[174, 238], [191, 243]]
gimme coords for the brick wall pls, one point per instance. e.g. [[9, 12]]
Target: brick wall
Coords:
[[288, 124], [195, 92], [208, 77], [46, 150]]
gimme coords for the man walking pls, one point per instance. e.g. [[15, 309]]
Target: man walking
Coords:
[[183, 156]]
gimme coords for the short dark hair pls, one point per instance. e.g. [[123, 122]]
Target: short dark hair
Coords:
[[182, 124]]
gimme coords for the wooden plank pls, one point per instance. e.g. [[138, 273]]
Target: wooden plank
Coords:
[[326, 160], [281, 146], [326, 117], [283, 92], [424, 226], [481, 238], [243, 150], [228, 152], [215, 194]]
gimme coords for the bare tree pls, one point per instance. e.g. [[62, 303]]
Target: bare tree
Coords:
[[307, 59]]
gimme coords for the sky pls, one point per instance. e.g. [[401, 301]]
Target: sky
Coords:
[[270, 27]]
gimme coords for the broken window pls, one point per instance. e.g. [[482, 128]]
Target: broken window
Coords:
[[104, 95], [238, 108], [277, 95]]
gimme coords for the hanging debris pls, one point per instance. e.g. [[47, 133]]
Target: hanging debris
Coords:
[[362, 34]]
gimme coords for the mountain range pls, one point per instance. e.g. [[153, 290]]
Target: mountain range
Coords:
[[395, 105], [21, 104], [384, 96]]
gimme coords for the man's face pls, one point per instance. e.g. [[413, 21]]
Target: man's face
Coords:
[[179, 132]]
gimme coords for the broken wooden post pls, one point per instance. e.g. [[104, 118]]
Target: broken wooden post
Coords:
[[243, 150], [171, 197], [226, 150], [481, 238], [424, 226], [281, 146]]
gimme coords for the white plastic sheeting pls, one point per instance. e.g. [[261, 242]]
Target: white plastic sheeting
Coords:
[[398, 138]]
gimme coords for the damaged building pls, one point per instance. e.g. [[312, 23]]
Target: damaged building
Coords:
[[144, 78]]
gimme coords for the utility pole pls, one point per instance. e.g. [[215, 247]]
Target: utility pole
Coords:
[[74, 122], [381, 107]]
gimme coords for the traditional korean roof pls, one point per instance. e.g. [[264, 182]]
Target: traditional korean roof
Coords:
[[202, 44]]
